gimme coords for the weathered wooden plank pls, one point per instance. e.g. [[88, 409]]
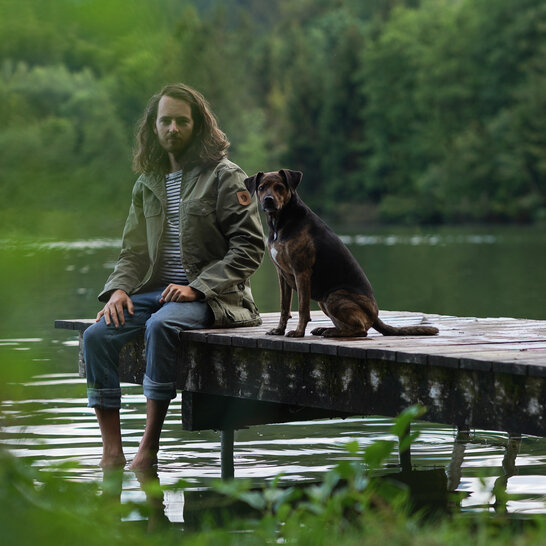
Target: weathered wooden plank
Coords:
[[77, 324], [481, 351], [473, 336]]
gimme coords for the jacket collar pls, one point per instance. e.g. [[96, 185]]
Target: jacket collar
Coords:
[[156, 182]]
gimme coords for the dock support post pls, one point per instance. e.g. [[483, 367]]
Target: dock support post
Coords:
[[509, 469], [455, 472], [227, 438], [405, 455]]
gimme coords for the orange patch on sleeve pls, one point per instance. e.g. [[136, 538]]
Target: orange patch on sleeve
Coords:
[[243, 197]]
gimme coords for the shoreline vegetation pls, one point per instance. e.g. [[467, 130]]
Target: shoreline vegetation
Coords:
[[411, 112], [55, 225]]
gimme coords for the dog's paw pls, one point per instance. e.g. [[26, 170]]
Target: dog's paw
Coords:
[[275, 332], [295, 333], [318, 331]]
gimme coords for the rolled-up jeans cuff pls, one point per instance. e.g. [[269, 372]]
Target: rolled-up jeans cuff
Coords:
[[104, 398], [158, 391]]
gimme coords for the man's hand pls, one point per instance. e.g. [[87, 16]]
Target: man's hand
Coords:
[[178, 293], [113, 310]]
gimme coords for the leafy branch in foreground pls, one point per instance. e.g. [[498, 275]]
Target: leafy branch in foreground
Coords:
[[347, 492]]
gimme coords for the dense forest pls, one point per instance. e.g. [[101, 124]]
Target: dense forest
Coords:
[[403, 111]]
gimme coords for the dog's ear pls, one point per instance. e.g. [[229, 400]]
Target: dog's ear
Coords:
[[292, 178], [252, 182]]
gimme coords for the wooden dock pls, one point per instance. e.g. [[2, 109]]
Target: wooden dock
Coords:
[[486, 373]]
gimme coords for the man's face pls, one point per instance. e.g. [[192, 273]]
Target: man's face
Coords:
[[174, 125]]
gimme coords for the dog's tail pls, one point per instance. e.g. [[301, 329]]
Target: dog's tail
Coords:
[[388, 330]]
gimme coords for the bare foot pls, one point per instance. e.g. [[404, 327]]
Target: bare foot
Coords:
[[146, 456], [112, 462], [144, 460]]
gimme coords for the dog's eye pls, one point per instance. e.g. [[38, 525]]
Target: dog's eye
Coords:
[[260, 187]]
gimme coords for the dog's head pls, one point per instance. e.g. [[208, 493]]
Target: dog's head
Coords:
[[274, 189]]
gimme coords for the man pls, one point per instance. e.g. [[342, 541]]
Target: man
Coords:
[[191, 241]]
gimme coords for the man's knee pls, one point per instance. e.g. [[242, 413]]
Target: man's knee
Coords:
[[100, 338], [158, 328], [94, 335]]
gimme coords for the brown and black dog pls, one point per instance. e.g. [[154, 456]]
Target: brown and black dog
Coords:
[[311, 259]]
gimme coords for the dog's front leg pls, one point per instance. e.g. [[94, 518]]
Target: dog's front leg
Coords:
[[303, 286], [286, 304]]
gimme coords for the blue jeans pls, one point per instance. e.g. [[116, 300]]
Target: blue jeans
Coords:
[[161, 323]]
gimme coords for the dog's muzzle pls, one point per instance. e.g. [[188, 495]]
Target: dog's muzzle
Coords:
[[268, 204]]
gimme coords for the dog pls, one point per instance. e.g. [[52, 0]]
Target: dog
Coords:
[[311, 259]]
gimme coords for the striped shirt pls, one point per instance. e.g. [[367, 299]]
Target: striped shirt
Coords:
[[171, 270]]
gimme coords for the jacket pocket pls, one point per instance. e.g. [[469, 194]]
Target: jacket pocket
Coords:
[[202, 240], [199, 207]]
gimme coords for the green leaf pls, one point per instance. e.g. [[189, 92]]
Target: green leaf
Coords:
[[404, 420], [376, 453]]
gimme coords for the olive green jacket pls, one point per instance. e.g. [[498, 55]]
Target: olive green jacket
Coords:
[[221, 240]]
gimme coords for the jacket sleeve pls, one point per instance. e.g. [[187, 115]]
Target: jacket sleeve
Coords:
[[133, 262], [242, 228]]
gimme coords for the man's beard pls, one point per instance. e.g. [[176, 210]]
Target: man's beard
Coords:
[[186, 155]]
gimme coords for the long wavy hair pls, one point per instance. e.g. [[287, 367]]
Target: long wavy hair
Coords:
[[209, 144]]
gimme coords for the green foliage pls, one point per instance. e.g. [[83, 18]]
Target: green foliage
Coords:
[[423, 111], [40, 507], [62, 144], [443, 84], [347, 497]]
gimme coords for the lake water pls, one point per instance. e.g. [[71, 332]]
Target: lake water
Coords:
[[468, 272]]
